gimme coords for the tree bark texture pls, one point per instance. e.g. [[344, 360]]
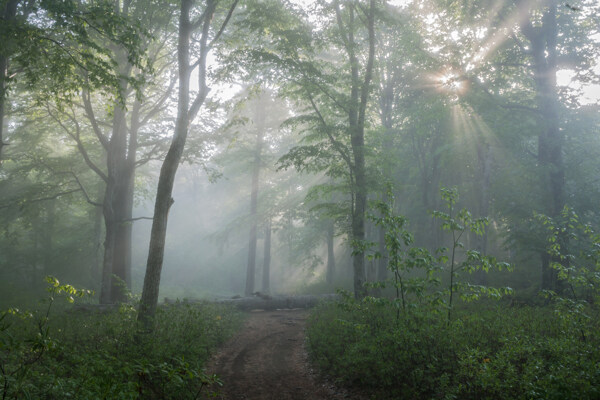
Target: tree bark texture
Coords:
[[164, 200]]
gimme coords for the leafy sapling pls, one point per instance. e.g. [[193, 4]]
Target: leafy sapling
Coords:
[[457, 223], [574, 248], [404, 260]]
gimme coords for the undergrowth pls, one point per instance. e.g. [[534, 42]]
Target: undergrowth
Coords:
[[63, 353], [489, 353], [420, 345]]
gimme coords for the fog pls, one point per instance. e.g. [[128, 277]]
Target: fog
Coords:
[[306, 133]]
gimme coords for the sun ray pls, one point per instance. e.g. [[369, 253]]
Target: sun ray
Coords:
[[502, 33]]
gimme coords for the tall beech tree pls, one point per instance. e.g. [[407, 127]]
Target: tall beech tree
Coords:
[[337, 95], [118, 134], [202, 32]]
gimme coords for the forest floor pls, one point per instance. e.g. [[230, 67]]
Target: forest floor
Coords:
[[267, 360]]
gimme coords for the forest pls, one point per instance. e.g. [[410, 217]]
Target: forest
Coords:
[[430, 169]]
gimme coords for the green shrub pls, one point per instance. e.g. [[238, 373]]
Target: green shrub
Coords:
[[493, 353], [93, 355]]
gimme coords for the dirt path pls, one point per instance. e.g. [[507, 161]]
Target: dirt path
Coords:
[[267, 360]]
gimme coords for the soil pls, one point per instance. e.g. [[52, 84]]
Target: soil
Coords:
[[267, 360]]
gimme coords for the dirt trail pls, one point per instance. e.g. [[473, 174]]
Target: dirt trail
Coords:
[[267, 360]]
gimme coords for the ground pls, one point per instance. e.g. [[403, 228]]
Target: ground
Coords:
[[267, 360]]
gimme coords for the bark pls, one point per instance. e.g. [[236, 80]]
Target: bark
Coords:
[[185, 113], [266, 272], [251, 266], [122, 254], [330, 254]]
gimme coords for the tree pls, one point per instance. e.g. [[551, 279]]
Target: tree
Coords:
[[337, 95], [47, 43], [117, 132], [202, 30]]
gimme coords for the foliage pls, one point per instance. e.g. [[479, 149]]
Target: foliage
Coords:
[[404, 260], [492, 352], [575, 250], [473, 260], [416, 271], [90, 353]]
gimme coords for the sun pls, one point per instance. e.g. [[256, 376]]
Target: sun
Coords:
[[451, 82]]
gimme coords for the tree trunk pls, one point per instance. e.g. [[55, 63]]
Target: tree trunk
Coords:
[[251, 267], [185, 114], [113, 205], [96, 267], [9, 13], [359, 95], [543, 40], [266, 272], [122, 254], [484, 157], [330, 254]]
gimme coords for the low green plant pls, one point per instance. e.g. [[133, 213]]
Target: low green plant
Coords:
[[19, 355], [574, 249], [488, 352], [416, 273], [90, 353], [413, 269], [457, 223]]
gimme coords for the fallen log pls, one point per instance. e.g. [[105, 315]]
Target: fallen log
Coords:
[[277, 302], [258, 301]]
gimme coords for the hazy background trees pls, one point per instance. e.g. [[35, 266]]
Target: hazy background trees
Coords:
[[315, 110]]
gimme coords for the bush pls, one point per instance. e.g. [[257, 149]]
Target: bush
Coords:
[[493, 353], [92, 355]]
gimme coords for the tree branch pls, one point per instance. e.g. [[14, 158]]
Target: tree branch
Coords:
[[77, 138], [89, 112], [339, 147], [85, 193], [224, 24]]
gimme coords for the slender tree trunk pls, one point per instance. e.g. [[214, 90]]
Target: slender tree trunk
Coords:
[[251, 266], [266, 272], [330, 254], [185, 114], [96, 267], [359, 95], [484, 157], [166, 179]]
